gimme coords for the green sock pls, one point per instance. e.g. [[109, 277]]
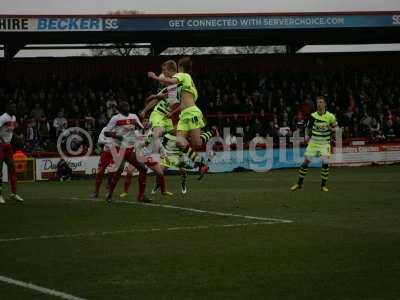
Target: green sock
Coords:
[[324, 174], [206, 136], [302, 173], [191, 154]]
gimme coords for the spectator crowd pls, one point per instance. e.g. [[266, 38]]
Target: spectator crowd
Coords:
[[252, 104]]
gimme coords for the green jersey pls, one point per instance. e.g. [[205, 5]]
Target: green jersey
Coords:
[[162, 107], [169, 145], [320, 127], [187, 84]]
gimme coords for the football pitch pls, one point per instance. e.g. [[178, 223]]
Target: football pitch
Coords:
[[232, 236]]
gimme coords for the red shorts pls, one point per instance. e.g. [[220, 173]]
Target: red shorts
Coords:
[[175, 116], [6, 152], [106, 159], [106, 156], [127, 153], [133, 158]]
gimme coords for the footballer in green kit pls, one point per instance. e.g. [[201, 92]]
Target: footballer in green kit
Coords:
[[191, 119], [321, 126]]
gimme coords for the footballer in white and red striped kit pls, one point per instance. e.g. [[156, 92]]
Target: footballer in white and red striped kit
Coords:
[[122, 129], [7, 126]]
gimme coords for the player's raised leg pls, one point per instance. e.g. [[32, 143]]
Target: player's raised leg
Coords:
[[209, 134], [186, 129]]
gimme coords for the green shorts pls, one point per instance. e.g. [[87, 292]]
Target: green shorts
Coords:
[[317, 150], [170, 161], [159, 120], [190, 118]]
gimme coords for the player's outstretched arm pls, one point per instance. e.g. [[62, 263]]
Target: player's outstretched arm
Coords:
[[163, 80], [159, 96], [152, 101], [148, 107]]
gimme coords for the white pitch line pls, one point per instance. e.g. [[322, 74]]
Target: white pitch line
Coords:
[[39, 289], [319, 180], [91, 234], [216, 213]]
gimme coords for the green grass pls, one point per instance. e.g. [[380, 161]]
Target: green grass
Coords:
[[344, 244]]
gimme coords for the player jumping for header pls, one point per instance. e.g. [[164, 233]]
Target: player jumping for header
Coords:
[[191, 118]]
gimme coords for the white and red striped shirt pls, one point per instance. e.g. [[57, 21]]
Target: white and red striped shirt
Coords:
[[173, 94], [125, 126], [7, 126], [106, 142]]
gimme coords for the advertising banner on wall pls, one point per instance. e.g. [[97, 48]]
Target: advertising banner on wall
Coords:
[[195, 23], [259, 160]]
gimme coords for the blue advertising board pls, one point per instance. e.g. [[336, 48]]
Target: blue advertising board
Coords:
[[259, 160], [253, 23], [195, 23]]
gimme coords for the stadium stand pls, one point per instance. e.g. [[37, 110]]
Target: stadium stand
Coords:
[[267, 95]]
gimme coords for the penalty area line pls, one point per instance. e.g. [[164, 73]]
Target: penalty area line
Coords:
[[215, 213], [104, 233], [38, 288]]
